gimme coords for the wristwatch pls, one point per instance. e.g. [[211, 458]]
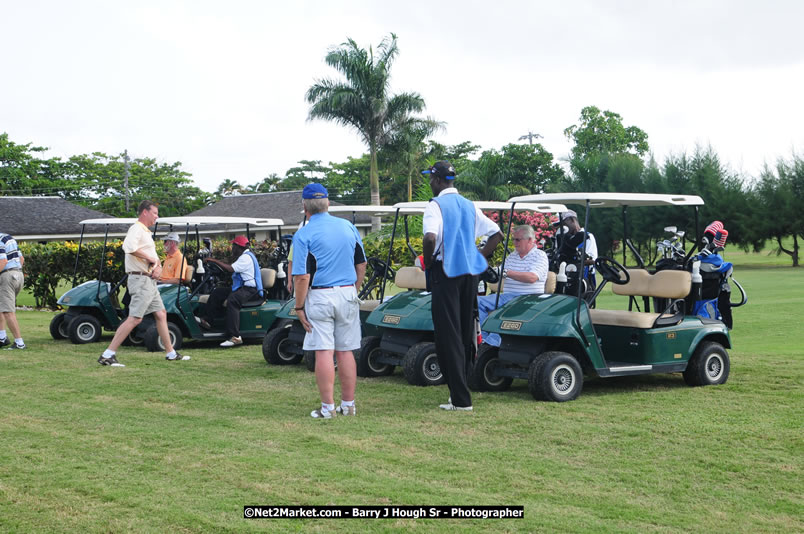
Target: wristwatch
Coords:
[[505, 273]]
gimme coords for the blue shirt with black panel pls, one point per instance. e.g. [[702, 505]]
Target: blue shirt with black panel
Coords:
[[327, 248]]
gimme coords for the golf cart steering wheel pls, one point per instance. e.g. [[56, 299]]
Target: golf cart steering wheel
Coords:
[[380, 267], [491, 276], [611, 271], [214, 269]]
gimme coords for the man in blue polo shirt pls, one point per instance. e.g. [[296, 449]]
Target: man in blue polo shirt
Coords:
[[328, 266], [11, 282]]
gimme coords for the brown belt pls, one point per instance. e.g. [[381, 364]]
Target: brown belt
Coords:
[[139, 273]]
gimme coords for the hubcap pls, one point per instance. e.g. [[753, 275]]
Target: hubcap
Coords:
[[432, 371], [373, 364], [563, 379], [282, 349], [85, 331], [488, 373], [714, 367]]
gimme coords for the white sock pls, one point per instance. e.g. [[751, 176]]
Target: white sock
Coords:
[[108, 354], [3, 334], [347, 403], [171, 354], [19, 342], [327, 407]]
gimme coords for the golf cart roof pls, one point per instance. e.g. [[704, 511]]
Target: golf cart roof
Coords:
[[363, 208], [205, 220], [541, 207], [110, 220], [613, 200]]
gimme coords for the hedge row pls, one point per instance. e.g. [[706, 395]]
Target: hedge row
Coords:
[[51, 264]]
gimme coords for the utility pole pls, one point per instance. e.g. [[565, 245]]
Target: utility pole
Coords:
[[530, 136], [126, 167]]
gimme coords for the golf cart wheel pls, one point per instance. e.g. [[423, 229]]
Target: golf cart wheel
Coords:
[[84, 329], [58, 326], [421, 365], [367, 364], [555, 376], [276, 347], [483, 375], [134, 338], [309, 360], [708, 366], [154, 343]]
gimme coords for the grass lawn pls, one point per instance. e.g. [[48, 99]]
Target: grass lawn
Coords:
[[182, 447]]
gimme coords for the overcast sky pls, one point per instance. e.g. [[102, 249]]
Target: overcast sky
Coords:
[[220, 86]]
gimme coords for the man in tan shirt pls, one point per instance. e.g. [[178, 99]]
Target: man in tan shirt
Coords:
[[144, 269]]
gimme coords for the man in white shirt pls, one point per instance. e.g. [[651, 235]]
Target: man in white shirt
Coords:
[[144, 269], [246, 286], [569, 219], [524, 273]]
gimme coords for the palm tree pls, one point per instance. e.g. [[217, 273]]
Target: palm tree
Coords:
[[484, 180], [363, 100]]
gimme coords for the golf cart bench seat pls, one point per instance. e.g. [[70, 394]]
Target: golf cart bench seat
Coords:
[[268, 280], [663, 284], [549, 284], [410, 278], [369, 305]]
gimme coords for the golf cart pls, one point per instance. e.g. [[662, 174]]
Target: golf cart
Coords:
[[184, 304], [93, 305], [405, 325], [552, 340], [283, 345]]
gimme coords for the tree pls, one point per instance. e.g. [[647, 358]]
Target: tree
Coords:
[[406, 150], [268, 184], [603, 132], [781, 195], [228, 188], [488, 179], [531, 166], [363, 101]]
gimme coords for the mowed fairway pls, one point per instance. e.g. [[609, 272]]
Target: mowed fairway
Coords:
[[182, 447]]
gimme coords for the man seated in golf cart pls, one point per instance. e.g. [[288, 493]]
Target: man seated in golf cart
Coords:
[[524, 273], [176, 268], [246, 286], [572, 240]]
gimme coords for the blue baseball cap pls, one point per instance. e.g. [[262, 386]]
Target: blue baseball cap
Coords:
[[443, 169], [314, 191]]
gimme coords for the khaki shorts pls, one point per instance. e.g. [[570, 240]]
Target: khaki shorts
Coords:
[[145, 297], [11, 282], [334, 314]]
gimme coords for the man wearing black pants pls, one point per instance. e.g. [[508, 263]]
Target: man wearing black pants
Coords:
[[452, 262]]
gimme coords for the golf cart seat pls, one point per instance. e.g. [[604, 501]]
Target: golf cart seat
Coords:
[[268, 279], [188, 275], [410, 278], [549, 284], [663, 284], [369, 305]]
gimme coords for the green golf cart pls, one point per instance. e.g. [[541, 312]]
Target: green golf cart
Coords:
[[184, 305], [283, 345], [552, 340], [405, 325]]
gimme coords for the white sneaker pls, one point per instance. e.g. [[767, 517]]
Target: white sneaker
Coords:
[[346, 410], [178, 358], [450, 406], [321, 413], [235, 341]]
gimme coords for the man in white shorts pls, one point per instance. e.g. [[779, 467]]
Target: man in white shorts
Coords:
[[11, 282], [328, 266], [144, 269]]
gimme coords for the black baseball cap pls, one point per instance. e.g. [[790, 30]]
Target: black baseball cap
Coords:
[[442, 169]]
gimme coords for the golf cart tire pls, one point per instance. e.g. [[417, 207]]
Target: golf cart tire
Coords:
[[481, 377], [555, 376], [84, 329], [154, 343], [709, 365], [134, 338], [309, 360], [59, 327], [421, 365], [367, 366], [273, 347]]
